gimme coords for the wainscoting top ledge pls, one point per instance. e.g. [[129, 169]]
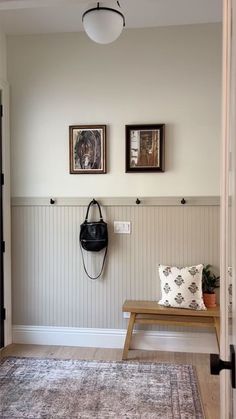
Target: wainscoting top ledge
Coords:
[[118, 201]]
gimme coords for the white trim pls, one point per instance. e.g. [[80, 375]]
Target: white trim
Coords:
[[4, 87], [114, 338], [225, 394], [118, 201]]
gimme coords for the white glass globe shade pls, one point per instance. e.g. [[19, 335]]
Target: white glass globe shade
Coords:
[[103, 26]]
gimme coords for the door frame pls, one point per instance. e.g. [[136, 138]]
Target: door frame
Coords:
[[2, 322], [6, 208], [225, 392]]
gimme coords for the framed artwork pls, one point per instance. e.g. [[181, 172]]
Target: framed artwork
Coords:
[[87, 149], [145, 148]]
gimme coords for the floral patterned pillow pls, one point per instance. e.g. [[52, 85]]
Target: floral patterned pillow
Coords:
[[181, 287]]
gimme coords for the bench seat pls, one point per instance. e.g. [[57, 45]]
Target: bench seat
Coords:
[[150, 312]]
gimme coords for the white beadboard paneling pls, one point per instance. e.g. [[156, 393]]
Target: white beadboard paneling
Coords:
[[50, 287]]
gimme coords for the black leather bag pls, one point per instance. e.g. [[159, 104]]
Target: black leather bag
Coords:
[[94, 236]]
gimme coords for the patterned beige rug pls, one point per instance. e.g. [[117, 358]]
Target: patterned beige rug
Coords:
[[48, 388]]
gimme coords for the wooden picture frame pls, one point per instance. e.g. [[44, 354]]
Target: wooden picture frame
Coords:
[[145, 148], [87, 145]]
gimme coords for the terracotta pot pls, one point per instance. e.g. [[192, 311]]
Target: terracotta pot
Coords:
[[209, 300]]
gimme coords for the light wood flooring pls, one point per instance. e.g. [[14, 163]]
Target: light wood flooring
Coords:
[[209, 385]]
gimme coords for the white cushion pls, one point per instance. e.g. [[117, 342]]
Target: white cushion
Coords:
[[181, 287]]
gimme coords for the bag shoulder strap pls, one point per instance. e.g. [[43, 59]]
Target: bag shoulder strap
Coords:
[[103, 263], [93, 202]]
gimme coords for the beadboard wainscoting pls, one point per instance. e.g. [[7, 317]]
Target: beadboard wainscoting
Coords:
[[50, 289]]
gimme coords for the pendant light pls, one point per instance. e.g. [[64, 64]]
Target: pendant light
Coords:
[[103, 24]]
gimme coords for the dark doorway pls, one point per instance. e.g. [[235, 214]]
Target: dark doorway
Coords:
[[2, 310]]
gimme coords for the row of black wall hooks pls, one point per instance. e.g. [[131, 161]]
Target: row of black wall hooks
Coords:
[[183, 201]]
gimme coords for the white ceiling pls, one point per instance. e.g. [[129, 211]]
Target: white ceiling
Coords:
[[48, 16]]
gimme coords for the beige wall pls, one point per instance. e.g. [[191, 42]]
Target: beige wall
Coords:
[[162, 75], [3, 57]]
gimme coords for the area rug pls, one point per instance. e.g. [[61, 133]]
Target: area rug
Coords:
[[49, 388]]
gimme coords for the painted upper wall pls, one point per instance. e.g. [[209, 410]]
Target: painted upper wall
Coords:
[[166, 75], [3, 57]]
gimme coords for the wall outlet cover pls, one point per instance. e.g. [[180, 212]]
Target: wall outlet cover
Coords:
[[122, 227]]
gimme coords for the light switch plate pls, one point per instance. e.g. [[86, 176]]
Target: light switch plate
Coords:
[[122, 227]]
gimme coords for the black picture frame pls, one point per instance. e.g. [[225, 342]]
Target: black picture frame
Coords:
[[145, 148]]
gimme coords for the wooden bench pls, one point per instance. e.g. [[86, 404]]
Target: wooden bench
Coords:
[[150, 312]]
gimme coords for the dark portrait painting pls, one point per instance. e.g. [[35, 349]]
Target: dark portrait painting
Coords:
[[87, 149]]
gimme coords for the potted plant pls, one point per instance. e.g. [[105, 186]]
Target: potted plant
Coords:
[[209, 283]]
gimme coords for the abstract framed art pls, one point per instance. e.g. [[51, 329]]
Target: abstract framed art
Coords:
[[87, 149]]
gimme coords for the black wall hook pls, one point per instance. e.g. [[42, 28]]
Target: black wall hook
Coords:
[[94, 201], [138, 201], [183, 201], [52, 201]]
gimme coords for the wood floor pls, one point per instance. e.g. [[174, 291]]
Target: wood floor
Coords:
[[209, 385]]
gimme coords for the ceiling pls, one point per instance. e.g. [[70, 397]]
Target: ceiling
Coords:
[[52, 16]]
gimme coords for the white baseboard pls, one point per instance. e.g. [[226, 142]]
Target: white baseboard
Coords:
[[114, 338]]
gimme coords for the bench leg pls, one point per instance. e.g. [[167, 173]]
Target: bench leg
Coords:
[[217, 329], [128, 335]]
